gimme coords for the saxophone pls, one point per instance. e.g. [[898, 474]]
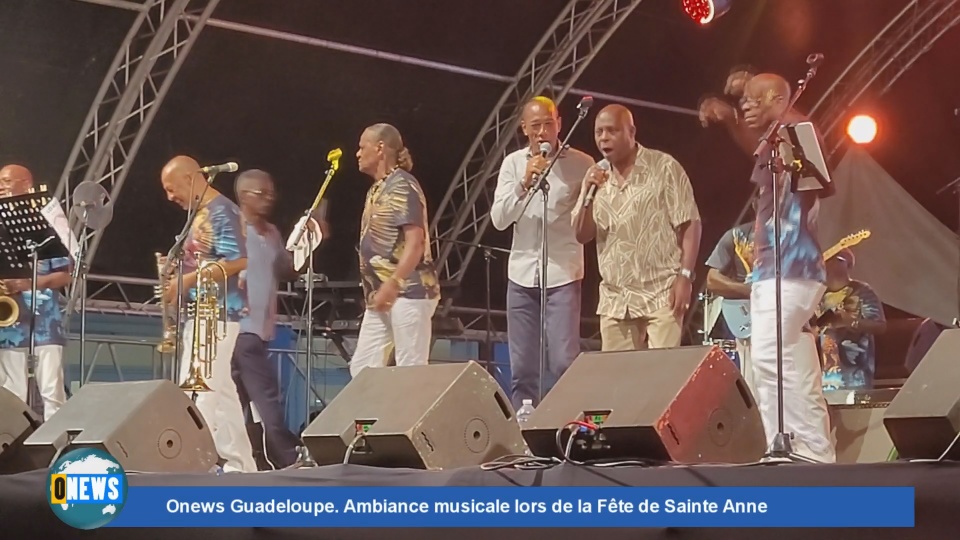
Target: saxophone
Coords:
[[9, 309], [209, 325], [168, 342]]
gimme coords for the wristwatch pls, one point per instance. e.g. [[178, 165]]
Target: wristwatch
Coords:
[[686, 273]]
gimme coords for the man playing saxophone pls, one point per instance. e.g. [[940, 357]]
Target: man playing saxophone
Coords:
[[215, 244], [49, 337]]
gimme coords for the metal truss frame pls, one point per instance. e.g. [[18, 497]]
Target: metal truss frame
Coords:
[[882, 62], [148, 60], [566, 49]]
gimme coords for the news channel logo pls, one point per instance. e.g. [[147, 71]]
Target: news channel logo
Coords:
[[88, 488]]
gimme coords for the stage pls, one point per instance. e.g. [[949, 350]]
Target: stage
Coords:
[[25, 512]]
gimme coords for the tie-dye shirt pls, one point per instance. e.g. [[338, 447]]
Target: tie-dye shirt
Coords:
[[392, 203], [49, 318], [848, 356], [217, 234], [800, 253]]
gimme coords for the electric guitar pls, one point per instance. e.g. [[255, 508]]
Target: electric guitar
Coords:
[[737, 312]]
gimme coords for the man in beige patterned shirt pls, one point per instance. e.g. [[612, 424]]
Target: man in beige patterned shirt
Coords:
[[647, 226]]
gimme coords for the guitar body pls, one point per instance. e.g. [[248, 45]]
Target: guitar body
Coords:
[[737, 315]]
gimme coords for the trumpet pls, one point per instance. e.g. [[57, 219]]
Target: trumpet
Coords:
[[209, 325], [9, 309], [168, 341]]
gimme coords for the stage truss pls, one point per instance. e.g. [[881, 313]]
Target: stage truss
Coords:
[[161, 36], [882, 62], [566, 49]]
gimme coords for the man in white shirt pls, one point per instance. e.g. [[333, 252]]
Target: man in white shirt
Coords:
[[517, 202]]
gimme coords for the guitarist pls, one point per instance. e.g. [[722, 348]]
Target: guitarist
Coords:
[[729, 267], [849, 316]]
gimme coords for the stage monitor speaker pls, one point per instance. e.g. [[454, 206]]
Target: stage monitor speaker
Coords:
[[923, 420], [434, 417], [17, 422], [859, 435], [147, 426], [686, 405]]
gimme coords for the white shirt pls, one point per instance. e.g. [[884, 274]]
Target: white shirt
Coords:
[[564, 253]]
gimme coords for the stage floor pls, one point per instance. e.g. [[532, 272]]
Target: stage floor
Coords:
[[25, 513]]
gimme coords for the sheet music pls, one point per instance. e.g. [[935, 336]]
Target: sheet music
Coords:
[[58, 220]]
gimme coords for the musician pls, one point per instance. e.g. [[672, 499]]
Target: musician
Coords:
[[396, 266], [268, 263], [516, 202], [647, 226], [729, 268], [216, 234], [850, 315], [49, 337], [766, 97]]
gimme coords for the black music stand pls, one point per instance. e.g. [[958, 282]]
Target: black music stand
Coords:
[[26, 238]]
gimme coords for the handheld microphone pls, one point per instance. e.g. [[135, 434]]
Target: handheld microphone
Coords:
[[592, 192], [217, 169], [814, 60], [545, 149]]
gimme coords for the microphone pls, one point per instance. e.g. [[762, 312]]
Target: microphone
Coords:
[[333, 157], [217, 169], [814, 60], [585, 103], [593, 187], [545, 149]]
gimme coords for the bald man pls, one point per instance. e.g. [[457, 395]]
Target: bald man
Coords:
[[399, 279], [765, 100], [49, 338], [216, 234], [647, 226], [517, 203], [268, 264]]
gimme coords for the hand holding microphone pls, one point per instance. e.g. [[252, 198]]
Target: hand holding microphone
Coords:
[[596, 177], [536, 165]]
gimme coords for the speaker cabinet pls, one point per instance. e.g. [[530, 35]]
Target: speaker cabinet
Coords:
[[859, 435], [17, 422], [148, 426], [434, 417], [924, 419], [686, 405]]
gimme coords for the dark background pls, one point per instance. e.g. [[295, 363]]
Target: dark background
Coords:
[[282, 106]]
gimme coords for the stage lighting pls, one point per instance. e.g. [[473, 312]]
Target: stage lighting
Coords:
[[862, 129], [706, 11]]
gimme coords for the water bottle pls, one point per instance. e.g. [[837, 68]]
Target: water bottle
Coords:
[[525, 411]]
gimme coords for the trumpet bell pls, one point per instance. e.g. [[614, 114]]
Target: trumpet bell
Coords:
[[195, 382], [9, 311]]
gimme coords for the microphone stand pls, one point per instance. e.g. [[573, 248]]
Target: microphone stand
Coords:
[[543, 185], [32, 352], [176, 254], [308, 375], [80, 278], [770, 142], [955, 187]]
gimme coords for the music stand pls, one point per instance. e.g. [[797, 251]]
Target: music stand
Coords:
[[27, 238]]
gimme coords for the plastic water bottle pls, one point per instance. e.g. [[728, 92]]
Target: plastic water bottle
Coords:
[[525, 411]]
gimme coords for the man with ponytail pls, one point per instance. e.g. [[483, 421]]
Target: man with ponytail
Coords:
[[399, 279]]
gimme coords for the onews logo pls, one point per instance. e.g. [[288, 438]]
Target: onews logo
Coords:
[[88, 488]]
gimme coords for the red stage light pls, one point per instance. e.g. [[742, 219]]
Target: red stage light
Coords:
[[862, 129], [706, 11]]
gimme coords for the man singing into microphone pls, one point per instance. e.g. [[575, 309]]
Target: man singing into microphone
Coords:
[[518, 202], [396, 267], [647, 227], [49, 337], [216, 234], [268, 263]]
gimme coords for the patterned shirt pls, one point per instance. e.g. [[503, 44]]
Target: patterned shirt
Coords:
[[847, 355], [733, 256], [217, 234], [392, 203], [49, 318], [800, 253], [638, 249]]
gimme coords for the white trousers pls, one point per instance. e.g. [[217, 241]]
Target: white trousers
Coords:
[[49, 373], [405, 329], [804, 408], [746, 365], [221, 408]]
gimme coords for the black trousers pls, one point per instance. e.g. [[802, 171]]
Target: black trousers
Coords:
[[256, 381]]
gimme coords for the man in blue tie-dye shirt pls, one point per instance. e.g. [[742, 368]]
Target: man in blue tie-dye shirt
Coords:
[[766, 99], [49, 337], [215, 235]]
